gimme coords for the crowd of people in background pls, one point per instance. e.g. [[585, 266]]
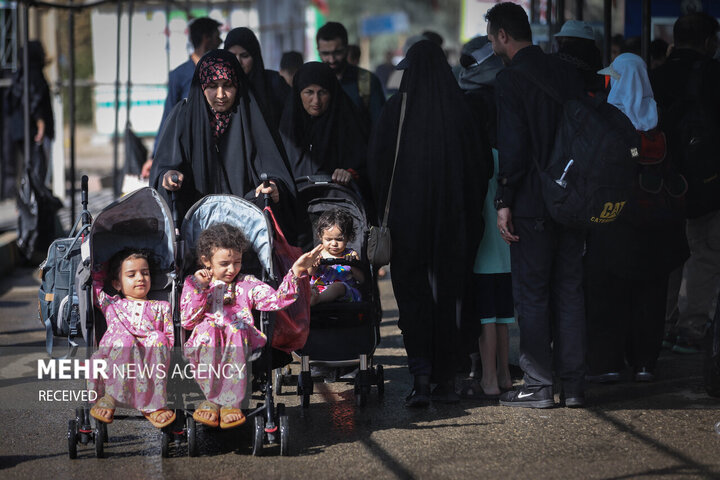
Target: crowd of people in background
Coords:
[[475, 249]]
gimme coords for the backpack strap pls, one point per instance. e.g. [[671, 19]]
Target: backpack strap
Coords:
[[552, 93], [364, 86], [397, 150], [693, 87]]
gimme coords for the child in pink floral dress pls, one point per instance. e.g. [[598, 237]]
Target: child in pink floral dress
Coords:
[[136, 345], [216, 304]]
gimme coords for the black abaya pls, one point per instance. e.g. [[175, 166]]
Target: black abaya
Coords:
[[335, 139], [436, 210], [268, 86]]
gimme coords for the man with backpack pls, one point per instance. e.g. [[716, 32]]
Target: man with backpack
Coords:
[[362, 86], [686, 90], [546, 257]]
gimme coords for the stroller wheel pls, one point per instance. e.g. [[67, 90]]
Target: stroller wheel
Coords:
[[360, 396], [278, 377], [165, 444], [72, 438], [258, 435], [192, 436], [284, 435], [380, 376], [103, 427], [99, 441]]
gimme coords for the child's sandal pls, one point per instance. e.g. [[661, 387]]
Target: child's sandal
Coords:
[[105, 403], [152, 417], [207, 406], [228, 410]]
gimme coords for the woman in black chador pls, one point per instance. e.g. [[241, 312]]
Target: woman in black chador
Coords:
[[435, 213], [321, 129], [217, 141], [268, 86], [42, 128]]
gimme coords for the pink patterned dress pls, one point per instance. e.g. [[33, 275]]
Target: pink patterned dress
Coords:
[[224, 336], [136, 347]]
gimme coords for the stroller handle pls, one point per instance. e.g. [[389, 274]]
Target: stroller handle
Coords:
[[265, 183], [342, 261]]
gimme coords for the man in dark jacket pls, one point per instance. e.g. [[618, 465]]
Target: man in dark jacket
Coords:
[[362, 86], [691, 71], [546, 257]]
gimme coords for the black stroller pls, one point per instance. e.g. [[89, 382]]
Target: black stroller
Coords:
[[270, 422], [140, 220], [342, 334]]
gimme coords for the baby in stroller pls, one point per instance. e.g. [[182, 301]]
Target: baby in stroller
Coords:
[[216, 304], [139, 334], [336, 283]]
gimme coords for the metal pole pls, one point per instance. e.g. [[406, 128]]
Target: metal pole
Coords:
[[71, 26], [26, 87], [533, 11], [167, 36], [560, 13], [645, 39], [131, 8], [579, 9], [116, 138], [549, 20], [607, 30]]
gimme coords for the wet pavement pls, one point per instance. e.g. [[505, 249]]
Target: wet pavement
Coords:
[[663, 429]]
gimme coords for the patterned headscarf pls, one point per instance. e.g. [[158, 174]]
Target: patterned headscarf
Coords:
[[213, 69]]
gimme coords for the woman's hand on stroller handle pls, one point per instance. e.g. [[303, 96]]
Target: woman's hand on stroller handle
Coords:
[[172, 180], [271, 190], [306, 261], [342, 176]]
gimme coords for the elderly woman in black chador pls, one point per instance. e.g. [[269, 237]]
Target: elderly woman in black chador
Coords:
[[435, 213], [321, 129], [268, 86], [217, 141]]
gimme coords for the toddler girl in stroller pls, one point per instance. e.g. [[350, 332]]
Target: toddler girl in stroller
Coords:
[[139, 334], [216, 304], [336, 283]]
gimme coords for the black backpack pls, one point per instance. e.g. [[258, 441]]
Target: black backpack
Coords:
[[58, 298], [591, 173], [694, 136]]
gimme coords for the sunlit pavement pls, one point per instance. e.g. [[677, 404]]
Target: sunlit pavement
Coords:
[[660, 430]]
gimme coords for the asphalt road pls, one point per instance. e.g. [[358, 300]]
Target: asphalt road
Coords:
[[659, 430]]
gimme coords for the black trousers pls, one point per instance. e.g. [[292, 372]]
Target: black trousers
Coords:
[[625, 320], [547, 273]]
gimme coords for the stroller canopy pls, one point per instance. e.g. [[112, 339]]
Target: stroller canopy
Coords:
[[141, 219], [235, 211]]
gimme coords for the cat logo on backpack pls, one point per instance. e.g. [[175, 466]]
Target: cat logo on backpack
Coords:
[[610, 212]]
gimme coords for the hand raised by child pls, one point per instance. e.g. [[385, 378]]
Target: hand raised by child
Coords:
[[306, 261], [203, 277]]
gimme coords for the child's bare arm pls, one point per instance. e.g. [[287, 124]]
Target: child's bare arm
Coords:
[[357, 273], [306, 261]]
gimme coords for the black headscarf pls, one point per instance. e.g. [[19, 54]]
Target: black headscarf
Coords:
[[233, 164], [268, 86], [335, 139]]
